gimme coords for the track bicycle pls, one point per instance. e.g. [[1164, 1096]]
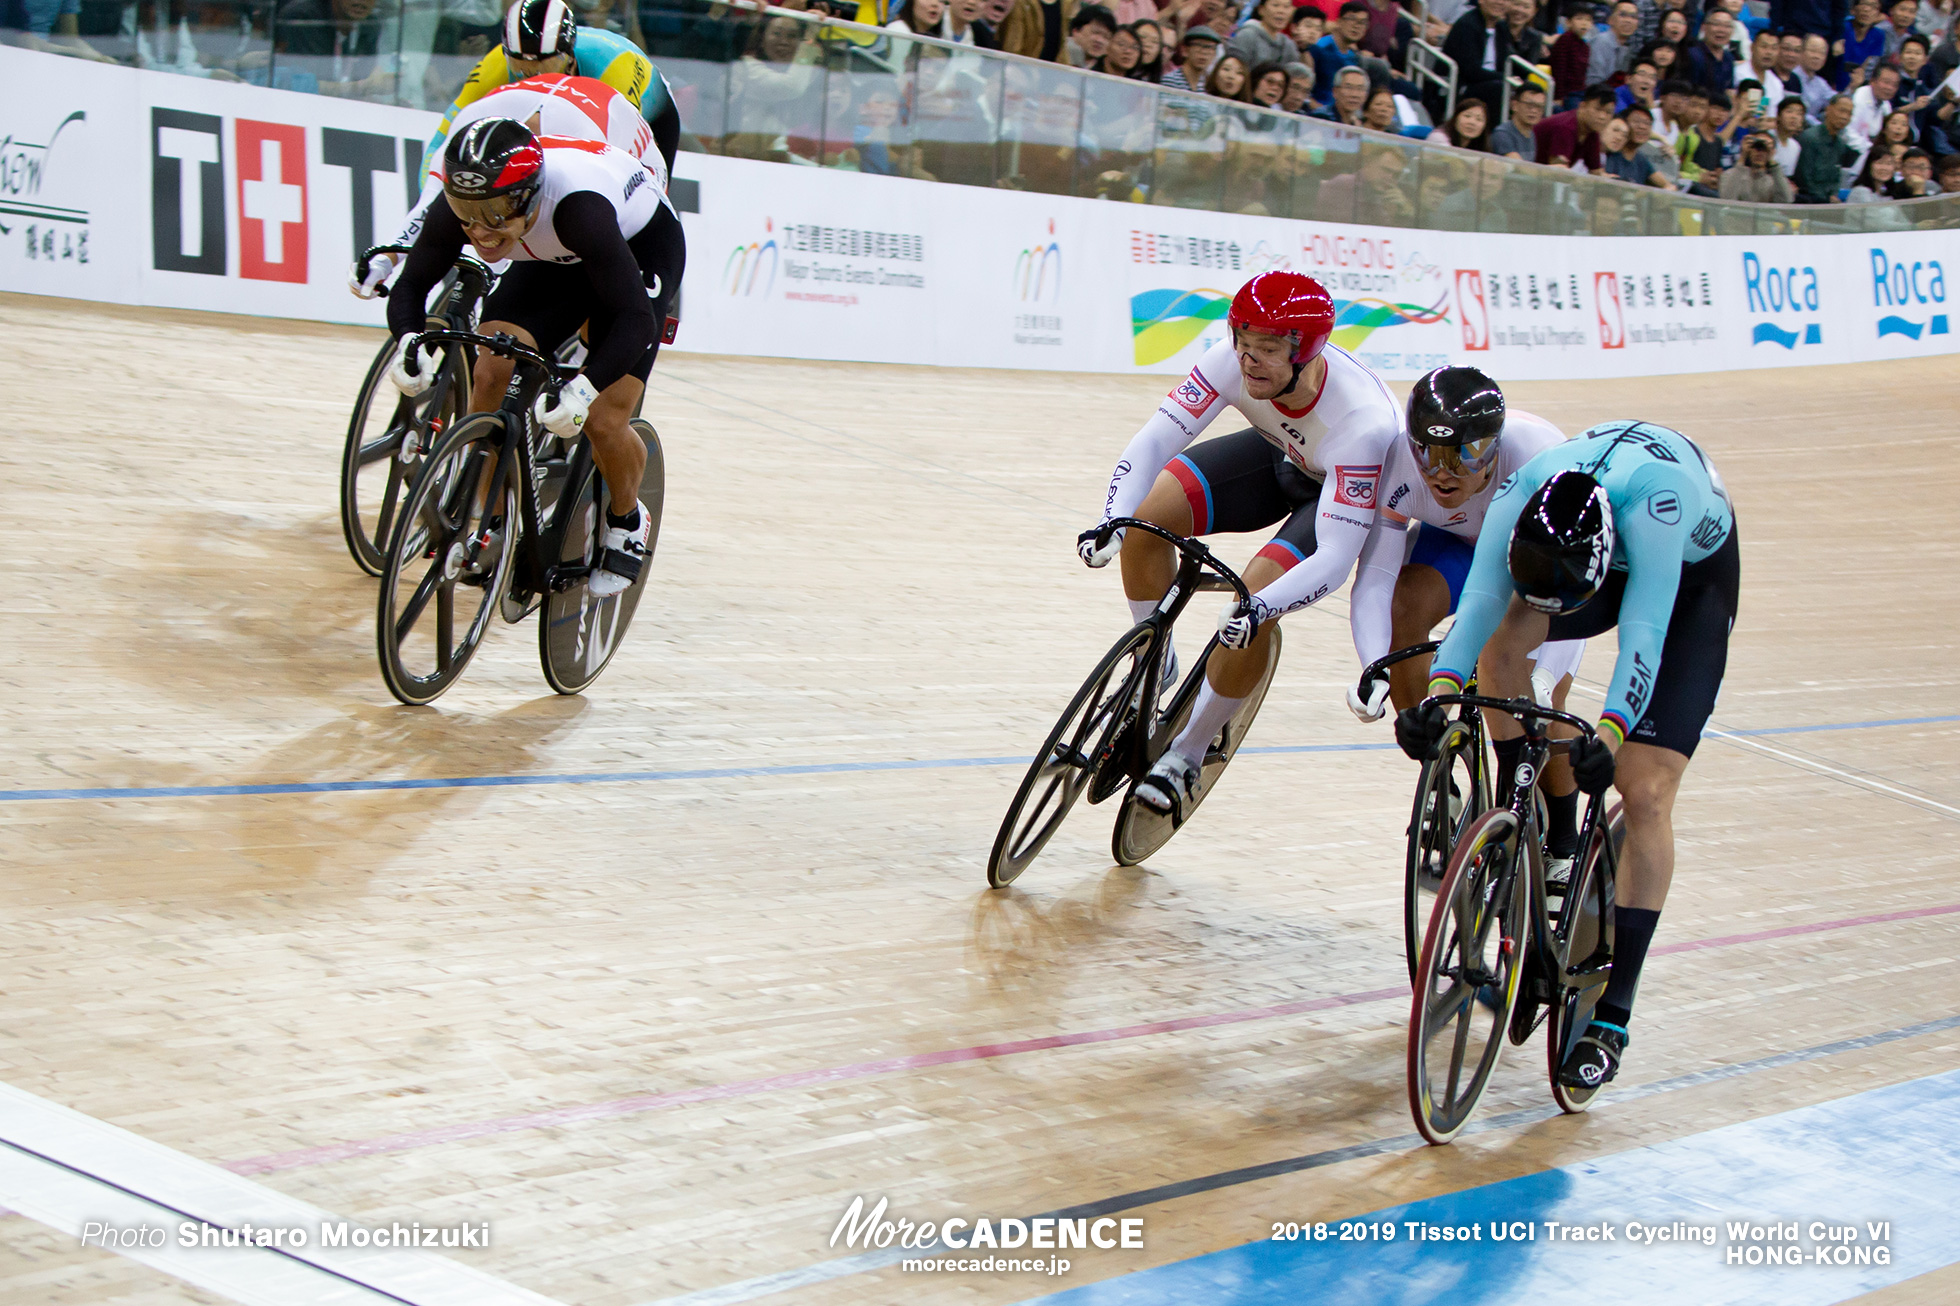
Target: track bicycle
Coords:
[[1454, 789], [504, 519], [1496, 919], [389, 431], [1106, 739]]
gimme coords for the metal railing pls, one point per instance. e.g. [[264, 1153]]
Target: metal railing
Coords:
[[1429, 67], [784, 86]]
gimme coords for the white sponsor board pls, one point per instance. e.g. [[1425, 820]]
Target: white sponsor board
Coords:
[[152, 188]]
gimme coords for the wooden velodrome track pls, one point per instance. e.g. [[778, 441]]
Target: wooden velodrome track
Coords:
[[751, 995]]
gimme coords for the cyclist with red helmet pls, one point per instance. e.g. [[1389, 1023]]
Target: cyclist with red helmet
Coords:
[[1321, 425], [592, 241]]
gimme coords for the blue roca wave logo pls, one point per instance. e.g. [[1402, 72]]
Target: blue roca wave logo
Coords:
[[1787, 295], [1914, 287]]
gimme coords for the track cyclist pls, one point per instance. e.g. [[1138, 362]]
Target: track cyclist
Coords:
[[1322, 423], [1460, 444], [1627, 525], [592, 238]]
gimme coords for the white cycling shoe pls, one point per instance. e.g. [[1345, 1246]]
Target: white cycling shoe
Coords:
[[1168, 788], [622, 556]]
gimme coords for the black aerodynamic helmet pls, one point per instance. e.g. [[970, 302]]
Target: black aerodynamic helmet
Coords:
[[1456, 415], [491, 171], [1563, 543], [539, 29]]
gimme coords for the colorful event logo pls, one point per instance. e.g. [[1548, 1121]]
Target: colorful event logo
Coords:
[[1038, 271], [1165, 321], [1903, 285], [745, 263], [1357, 319]]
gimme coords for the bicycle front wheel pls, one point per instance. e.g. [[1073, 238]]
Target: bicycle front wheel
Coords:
[[1582, 946], [1468, 976], [386, 438], [1076, 749], [1451, 793], [449, 562], [577, 633]]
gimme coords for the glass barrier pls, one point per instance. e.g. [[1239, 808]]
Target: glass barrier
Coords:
[[790, 87]]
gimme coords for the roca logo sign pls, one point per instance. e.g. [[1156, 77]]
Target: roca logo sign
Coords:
[[191, 212], [1786, 292], [1914, 288]]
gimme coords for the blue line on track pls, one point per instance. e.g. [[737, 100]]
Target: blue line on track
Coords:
[[727, 772]]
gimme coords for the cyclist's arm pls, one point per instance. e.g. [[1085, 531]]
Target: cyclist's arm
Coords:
[[587, 226], [434, 254], [418, 216], [1183, 415], [490, 72], [1487, 589], [1654, 551], [1371, 606], [1340, 529]]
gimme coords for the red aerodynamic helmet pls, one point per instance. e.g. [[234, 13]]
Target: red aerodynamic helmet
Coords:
[[1286, 304]]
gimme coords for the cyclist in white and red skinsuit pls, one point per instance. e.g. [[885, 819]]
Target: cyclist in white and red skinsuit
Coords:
[[1322, 425]]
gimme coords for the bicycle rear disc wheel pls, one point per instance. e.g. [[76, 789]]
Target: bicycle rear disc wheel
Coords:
[[377, 468], [1139, 831], [1582, 944], [1468, 977], [1076, 749], [1450, 795], [577, 633], [449, 562]]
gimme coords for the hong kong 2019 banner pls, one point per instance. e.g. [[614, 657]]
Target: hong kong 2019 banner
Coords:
[[152, 188]]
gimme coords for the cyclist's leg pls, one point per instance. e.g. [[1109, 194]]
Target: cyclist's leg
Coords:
[[1558, 660], [1426, 591], [661, 252], [538, 304], [1504, 667]]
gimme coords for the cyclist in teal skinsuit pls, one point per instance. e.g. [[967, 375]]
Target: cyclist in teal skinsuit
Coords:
[[541, 36], [1628, 525]]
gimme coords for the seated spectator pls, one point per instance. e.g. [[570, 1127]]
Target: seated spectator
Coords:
[[1350, 93], [1790, 122], [1229, 79], [1780, 81], [1813, 80], [1674, 97], [1871, 104], [1571, 53], [1150, 50], [1639, 86], [1860, 46], [962, 26], [1755, 176], [1036, 29], [1306, 28], [1672, 29], [1197, 50], [1824, 155], [1916, 82], [1711, 60], [1916, 176], [1901, 21], [1513, 139], [1468, 127], [1341, 47], [50, 26], [1389, 33], [1480, 44], [1123, 54], [1378, 112], [1527, 42], [1088, 35], [1640, 129], [1299, 90], [1875, 179], [1761, 62], [1571, 139], [1666, 58], [919, 16], [1946, 171], [342, 37], [1265, 39], [1619, 158], [1612, 46], [1268, 85], [1697, 146]]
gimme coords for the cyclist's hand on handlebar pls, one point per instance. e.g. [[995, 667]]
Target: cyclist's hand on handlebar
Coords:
[[1237, 627], [1592, 764], [369, 286], [413, 370], [1095, 555], [566, 418], [1374, 706], [1418, 728]]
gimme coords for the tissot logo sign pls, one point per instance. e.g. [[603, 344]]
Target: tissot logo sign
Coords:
[[192, 211]]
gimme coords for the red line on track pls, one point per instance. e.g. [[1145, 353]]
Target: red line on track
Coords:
[[925, 1060]]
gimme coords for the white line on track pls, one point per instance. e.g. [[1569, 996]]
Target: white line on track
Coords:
[[66, 1170]]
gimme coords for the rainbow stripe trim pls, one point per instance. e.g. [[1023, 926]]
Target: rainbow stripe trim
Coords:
[[1616, 723], [1445, 682]]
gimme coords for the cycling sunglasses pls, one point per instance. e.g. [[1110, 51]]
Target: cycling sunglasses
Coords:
[[495, 212], [1464, 459]]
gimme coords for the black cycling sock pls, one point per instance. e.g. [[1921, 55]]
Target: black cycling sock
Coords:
[[1562, 824], [1633, 930], [1509, 752], [630, 522], [1608, 1014]]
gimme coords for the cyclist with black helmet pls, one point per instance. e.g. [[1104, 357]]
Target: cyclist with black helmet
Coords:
[[1322, 423], [1629, 525], [592, 240], [1460, 444]]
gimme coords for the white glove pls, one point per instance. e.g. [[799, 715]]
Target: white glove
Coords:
[[1372, 707], [1236, 629], [1085, 545], [566, 418], [412, 383], [378, 272]]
